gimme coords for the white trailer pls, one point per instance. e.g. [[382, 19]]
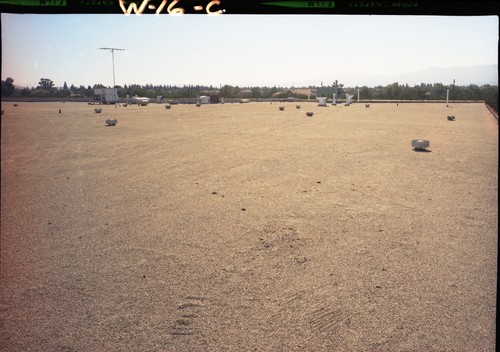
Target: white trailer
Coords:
[[204, 99]]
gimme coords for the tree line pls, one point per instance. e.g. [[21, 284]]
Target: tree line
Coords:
[[394, 91]]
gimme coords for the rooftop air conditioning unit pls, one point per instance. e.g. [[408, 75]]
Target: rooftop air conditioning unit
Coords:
[[420, 144]]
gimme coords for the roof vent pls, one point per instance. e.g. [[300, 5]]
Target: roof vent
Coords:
[[420, 144]]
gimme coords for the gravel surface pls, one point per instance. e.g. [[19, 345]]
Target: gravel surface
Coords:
[[240, 227]]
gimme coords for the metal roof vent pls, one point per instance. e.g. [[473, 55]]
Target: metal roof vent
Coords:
[[420, 144]]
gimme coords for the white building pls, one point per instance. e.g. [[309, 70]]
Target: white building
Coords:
[[106, 95]]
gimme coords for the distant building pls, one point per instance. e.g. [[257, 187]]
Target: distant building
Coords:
[[295, 93], [214, 98], [303, 91], [210, 91], [106, 95], [213, 94]]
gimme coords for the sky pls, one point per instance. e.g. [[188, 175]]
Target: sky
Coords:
[[242, 50]]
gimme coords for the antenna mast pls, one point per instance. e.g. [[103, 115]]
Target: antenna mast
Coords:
[[113, 58]]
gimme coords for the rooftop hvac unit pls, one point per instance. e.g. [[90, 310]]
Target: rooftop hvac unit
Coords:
[[322, 101], [420, 144]]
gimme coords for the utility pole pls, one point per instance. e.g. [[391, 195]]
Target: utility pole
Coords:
[[113, 58]]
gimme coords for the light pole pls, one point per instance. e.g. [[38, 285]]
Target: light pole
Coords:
[[113, 58]]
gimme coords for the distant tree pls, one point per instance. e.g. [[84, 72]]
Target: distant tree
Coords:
[[8, 87], [392, 91], [408, 93], [40, 93], [438, 91], [474, 92], [225, 91], [45, 84], [256, 92], [264, 92], [63, 93], [65, 86], [25, 92], [122, 92], [365, 93], [135, 89], [81, 90], [236, 91], [490, 95]]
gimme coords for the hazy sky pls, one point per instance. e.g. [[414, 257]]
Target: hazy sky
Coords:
[[244, 50]]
